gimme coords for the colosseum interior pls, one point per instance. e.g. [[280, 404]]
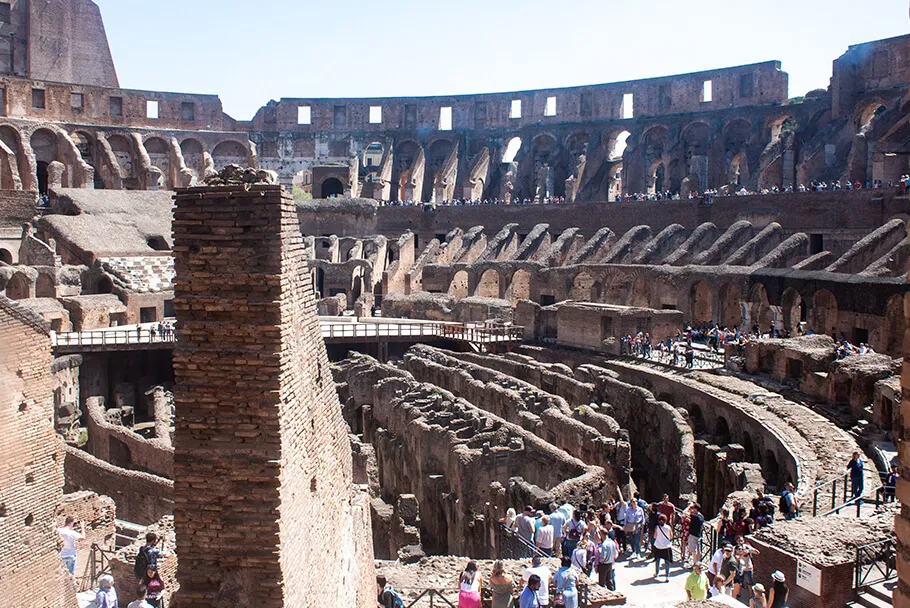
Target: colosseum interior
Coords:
[[344, 338]]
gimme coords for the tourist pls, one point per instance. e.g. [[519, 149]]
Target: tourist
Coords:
[[469, 587], [69, 536], [717, 560], [667, 509], [697, 583], [545, 536], [653, 516], [529, 597], [387, 597], [558, 521], [509, 520], [729, 568], [605, 558], [524, 524], [855, 468], [154, 586], [725, 531], [696, 529], [633, 522], [107, 595], [890, 484], [543, 576], [748, 567], [574, 529], [663, 547], [579, 556], [565, 579], [148, 555], [788, 503], [502, 586], [777, 597], [717, 587], [758, 597], [140, 598]]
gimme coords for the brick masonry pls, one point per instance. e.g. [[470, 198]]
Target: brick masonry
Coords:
[[901, 597], [265, 510], [31, 469]]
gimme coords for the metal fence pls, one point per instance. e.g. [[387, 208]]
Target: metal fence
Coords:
[[875, 563], [513, 546]]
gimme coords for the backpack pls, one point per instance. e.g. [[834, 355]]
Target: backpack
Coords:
[[142, 563], [782, 504], [397, 602]]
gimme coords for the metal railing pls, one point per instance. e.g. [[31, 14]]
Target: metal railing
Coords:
[[145, 335], [707, 544], [449, 596], [834, 495], [98, 564], [702, 359], [875, 563], [513, 546]]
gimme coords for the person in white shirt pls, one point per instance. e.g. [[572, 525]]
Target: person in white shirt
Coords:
[[543, 594], [545, 535], [140, 598], [717, 561], [69, 536], [663, 543]]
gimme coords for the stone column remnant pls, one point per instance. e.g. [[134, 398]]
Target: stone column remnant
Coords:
[[264, 507]]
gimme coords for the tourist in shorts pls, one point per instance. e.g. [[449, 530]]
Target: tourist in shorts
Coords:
[[696, 529]]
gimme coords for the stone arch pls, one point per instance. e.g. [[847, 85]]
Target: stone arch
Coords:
[[657, 177], [6, 257], [866, 111], [748, 446], [407, 153], [510, 149], [701, 304], [123, 154], [159, 154], [193, 156], [488, 285], [759, 309], [697, 419], [770, 468], [792, 309], [86, 145], [519, 286], [731, 312], [331, 187], [44, 145], [721, 431], [436, 155], [371, 159], [104, 285], [45, 287], [582, 288], [824, 312], [696, 141], [230, 152], [458, 288], [894, 326], [18, 287], [13, 140]]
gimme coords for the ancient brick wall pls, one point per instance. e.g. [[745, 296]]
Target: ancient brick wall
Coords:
[[263, 472], [31, 470], [98, 514]]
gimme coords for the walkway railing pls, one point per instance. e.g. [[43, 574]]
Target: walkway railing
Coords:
[[98, 564], [835, 495], [702, 359], [513, 546], [448, 596], [875, 563], [145, 335], [707, 544]]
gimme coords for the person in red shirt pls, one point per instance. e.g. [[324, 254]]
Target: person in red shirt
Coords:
[[665, 507]]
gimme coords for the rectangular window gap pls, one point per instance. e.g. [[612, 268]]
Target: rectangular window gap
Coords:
[[375, 115], [76, 101], [515, 111], [628, 102], [116, 106], [151, 109], [187, 110], [707, 91], [38, 99], [550, 109], [445, 118], [304, 115]]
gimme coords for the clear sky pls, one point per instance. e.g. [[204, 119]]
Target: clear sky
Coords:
[[249, 52]]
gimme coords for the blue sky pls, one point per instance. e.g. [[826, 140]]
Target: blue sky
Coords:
[[250, 52]]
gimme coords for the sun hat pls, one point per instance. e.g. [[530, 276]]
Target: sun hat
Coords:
[[778, 576]]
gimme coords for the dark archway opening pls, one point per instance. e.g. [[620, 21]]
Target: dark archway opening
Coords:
[[42, 177], [332, 187], [104, 285], [5, 256], [722, 432]]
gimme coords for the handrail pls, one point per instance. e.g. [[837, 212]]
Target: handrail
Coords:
[[875, 557], [529, 548], [834, 507]]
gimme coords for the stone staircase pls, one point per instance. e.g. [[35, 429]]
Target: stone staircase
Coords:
[[875, 596]]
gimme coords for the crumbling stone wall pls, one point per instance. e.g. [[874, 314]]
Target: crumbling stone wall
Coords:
[[31, 478], [251, 481]]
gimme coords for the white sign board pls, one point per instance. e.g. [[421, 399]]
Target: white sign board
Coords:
[[809, 577]]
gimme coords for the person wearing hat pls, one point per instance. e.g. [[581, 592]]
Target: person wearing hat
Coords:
[[777, 597], [758, 597], [154, 586], [697, 583]]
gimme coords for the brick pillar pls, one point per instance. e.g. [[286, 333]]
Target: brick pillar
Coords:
[[264, 508], [901, 597]]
